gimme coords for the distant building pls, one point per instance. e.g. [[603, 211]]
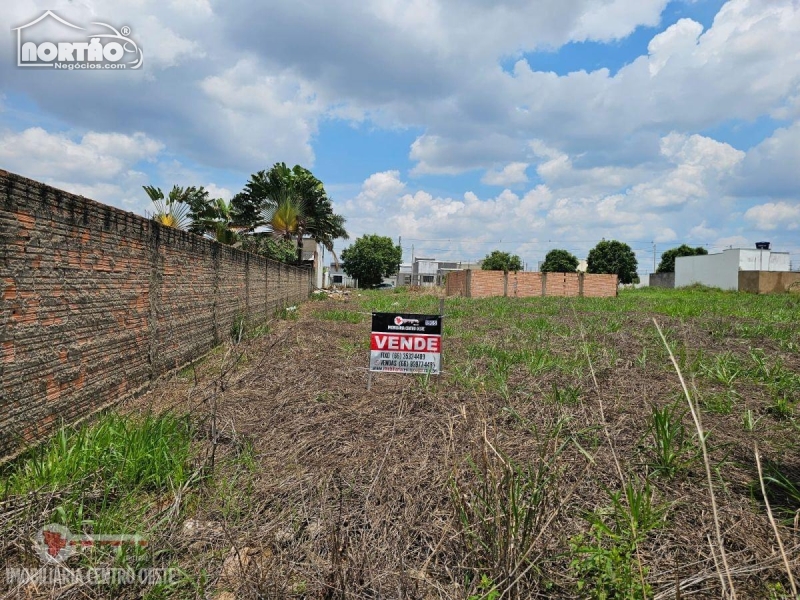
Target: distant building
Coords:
[[722, 270], [336, 277], [404, 275], [429, 272], [312, 256]]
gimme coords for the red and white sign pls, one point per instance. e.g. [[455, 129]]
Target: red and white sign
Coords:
[[405, 343]]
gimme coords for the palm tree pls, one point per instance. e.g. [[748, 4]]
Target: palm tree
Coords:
[[292, 204], [170, 211], [191, 209]]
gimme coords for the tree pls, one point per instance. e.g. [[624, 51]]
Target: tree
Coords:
[[613, 257], [559, 261], [291, 204], [266, 245], [191, 209], [171, 211], [501, 261], [667, 264], [371, 258]]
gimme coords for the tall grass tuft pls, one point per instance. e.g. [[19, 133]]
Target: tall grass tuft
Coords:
[[504, 507], [117, 453]]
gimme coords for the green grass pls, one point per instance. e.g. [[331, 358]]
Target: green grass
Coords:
[[341, 316], [103, 473], [123, 452]]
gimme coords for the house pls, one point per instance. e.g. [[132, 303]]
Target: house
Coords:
[[429, 272], [336, 277], [312, 257], [745, 269]]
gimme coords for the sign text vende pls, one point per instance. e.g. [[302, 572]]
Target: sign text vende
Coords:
[[415, 343]]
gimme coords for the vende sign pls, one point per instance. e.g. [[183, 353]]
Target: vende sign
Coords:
[[405, 343]]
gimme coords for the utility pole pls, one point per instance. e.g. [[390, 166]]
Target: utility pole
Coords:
[[400, 243], [654, 257]]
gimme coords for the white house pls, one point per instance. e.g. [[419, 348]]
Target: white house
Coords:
[[722, 270], [429, 272], [338, 278]]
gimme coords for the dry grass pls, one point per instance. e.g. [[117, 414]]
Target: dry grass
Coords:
[[473, 486]]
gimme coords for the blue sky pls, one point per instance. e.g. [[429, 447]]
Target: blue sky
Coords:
[[462, 126]]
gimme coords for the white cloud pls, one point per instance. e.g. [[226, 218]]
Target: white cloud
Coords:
[[774, 215], [511, 174], [701, 231], [215, 191], [105, 156], [265, 117], [771, 168], [677, 41], [165, 48]]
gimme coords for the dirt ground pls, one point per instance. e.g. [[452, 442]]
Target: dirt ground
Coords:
[[354, 494], [322, 489]]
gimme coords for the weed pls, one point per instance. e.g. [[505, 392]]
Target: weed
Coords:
[[237, 328], [259, 330], [288, 313], [568, 395], [720, 403], [487, 589], [641, 358], [121, 451], [724, 368], [781, 407], [783, 491], [749, 420], [605, 561], [105, 475], [503, 506], [670, 449]]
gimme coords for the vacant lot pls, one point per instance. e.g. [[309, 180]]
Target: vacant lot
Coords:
[[556, 457]]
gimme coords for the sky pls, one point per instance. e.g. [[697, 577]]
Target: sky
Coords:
[[456, 127]]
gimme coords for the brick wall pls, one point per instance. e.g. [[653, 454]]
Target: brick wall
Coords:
[[456, 283], [769, 282], [485, 284], [98, 302]]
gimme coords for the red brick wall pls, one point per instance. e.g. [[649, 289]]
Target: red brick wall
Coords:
[[456, 283], [562, 284], [599, 286], [485, 284], [524, 284], [98, 302]]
